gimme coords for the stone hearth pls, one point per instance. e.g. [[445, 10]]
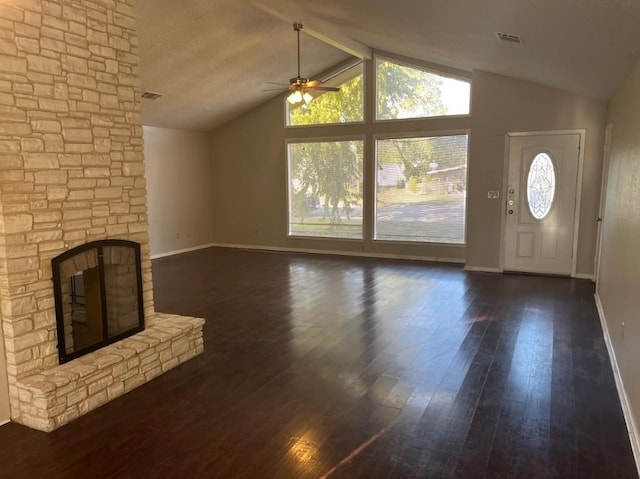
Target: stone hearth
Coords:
[[72, 172], [57, 395]]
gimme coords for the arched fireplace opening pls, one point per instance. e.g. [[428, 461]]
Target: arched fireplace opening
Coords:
[[98, 296]]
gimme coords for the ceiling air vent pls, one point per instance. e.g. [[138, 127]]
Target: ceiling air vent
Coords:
[[152, 95], [509, 37]]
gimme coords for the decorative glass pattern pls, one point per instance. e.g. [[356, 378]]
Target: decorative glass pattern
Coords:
[[541, 186]]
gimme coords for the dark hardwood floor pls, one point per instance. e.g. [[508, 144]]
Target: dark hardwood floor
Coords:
[[331, 367]]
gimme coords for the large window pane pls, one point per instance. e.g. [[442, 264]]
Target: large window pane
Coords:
[[406, 92], [421, 186], [325, 189], [344, 106]]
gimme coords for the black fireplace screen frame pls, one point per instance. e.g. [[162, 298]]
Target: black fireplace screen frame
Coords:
[[59, 306]]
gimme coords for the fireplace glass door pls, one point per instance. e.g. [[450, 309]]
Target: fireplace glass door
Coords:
[[98, 295]]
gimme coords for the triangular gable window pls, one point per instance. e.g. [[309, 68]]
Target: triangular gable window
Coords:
[[409, 92]]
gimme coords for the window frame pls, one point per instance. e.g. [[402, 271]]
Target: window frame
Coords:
[[369, 131], [328, 76], [374, 186], [325, 139], [422, 66]]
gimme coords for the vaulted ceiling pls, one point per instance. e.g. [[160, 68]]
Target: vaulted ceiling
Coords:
[[213, 58]]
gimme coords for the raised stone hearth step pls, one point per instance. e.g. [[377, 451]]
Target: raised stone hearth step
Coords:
[[56, 396]]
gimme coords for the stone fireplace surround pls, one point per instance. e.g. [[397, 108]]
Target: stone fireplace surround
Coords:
[[72, 172]]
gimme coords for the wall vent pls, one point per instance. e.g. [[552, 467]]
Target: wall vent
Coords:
[[509, 37], [152, 95]]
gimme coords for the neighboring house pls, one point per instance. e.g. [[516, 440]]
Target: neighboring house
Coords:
[[390, 175]]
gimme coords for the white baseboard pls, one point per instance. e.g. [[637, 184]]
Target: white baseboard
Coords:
[[624, 401], [584, 276], [339, 253], [180, 251], [482, 269]]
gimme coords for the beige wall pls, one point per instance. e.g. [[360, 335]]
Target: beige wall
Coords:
[[619, 276], [501, 105], [249, 153], [248, 156], [178, 170]]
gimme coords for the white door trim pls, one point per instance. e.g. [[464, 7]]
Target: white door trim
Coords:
[[505, 176], [603, 199]]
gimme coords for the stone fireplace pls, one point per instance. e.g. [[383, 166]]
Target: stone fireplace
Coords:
[[72, 173]]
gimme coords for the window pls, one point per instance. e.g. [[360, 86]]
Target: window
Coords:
[[344, 106], [325, 189], [421, 186], [408, 92], [541, 186], [421, 182]]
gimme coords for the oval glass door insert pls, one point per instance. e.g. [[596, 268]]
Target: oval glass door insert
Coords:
[[541, 186]]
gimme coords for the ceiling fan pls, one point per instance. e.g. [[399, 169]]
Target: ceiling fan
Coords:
[[300, 87]]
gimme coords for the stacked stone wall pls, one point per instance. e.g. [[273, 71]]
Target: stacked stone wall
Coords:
[[71, 158]]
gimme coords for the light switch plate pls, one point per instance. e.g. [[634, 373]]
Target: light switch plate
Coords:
[[493, 194]]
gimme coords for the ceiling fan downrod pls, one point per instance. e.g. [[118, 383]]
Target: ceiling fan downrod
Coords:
[[297, 27]]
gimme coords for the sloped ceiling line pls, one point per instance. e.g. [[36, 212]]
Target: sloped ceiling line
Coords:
[[290, 12], [212, 58]]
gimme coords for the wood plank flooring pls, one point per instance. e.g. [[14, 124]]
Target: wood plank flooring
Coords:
[[330, 367]]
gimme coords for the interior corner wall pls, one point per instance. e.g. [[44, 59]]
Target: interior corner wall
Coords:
[[248, 156], [619, 273], [249, 178], [249, 184], [178, 171], [501, 105]]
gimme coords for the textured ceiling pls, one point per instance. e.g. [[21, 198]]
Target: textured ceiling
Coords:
[[212, 57]]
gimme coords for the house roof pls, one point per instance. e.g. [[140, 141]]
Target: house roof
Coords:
[[213, 58]]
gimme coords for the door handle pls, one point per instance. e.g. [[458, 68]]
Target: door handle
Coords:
[[599, 219], [510, 204]]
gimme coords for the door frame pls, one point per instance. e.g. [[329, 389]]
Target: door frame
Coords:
[[505, 179], [608, 133]]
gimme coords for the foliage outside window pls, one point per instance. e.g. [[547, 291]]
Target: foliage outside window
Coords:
[[406, 92], [420, 193], [345, 106], [421, 189], [325, 189]]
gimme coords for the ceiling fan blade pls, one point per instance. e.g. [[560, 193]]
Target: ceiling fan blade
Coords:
[[274, 89], [324, 88], [313, 83], [276, 83]]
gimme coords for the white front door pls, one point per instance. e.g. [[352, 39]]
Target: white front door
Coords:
[[541, 203]]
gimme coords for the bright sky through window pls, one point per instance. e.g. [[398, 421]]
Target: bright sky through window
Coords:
[[456, 95], [408, 92]]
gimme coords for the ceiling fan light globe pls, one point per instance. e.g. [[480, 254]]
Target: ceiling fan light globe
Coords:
[[307, 98], [295, 97]]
